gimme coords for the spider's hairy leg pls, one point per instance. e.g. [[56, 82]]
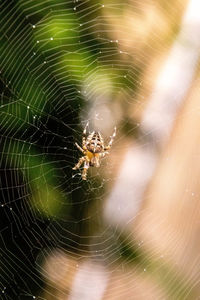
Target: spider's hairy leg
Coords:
[[84, 135], [79, 148], [85, 169], [77, 166], [111, 140], [103, 154]]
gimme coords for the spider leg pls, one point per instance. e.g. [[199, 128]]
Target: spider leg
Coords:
[[79, 148], [85, 169], [84, 135], [111, 140], [103, 154], [81, 160]]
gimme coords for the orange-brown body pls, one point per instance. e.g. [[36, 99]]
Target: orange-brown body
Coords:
[[93, 149], [93, 158]]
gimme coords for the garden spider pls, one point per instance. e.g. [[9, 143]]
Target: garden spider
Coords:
[[93, 149]]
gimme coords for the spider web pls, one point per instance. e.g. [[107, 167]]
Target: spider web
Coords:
[[63, 65]]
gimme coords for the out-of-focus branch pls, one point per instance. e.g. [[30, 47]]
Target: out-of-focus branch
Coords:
[[169, 93]]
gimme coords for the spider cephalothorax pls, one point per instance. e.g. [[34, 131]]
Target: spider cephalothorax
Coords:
[[93, 149]]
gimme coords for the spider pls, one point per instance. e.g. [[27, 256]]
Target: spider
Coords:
[[93, 150]]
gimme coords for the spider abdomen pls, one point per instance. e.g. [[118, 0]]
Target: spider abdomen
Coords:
[[95, 142]]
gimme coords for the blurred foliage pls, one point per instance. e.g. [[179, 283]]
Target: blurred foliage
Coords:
[[49, 53]]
